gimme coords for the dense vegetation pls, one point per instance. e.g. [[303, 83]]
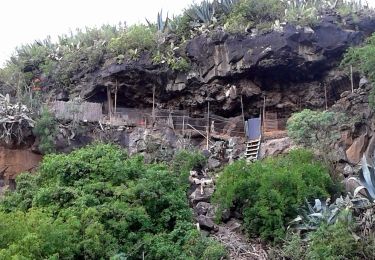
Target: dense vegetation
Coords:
[[328, 242], [98, 203], [317, 130], [270, 192], [363, 60], [275, 197]]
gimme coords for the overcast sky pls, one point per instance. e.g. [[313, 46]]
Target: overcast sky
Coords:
[[23, 21]]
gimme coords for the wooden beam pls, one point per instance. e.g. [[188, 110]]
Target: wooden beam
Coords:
[[263, 117], [109, 99], [116, 97], [208, 124], [153, 104], [351, 77], [325, 96], [243, 116], [183, 126]]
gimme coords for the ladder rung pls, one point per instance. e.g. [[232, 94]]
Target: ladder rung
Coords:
[[253, 149]]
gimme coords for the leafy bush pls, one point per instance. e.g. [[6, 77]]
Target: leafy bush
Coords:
[[332, 242], [327, 242], [180, 25], [136, 37], [37, 235], [363, 59], [269, 192], [315, 128], [46, 129], [185, 161], [97, 203], [247, 13], [302, 15], [180, 64]]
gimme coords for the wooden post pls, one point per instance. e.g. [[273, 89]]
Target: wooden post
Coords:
[[109, 103], [183, 131], [183, 126], [153, 104], [116, 98], [351, 77], [243, 116], [208, 124], [263, 117], [325, 96]]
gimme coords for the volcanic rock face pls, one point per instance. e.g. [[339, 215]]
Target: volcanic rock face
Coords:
[[357, 137], [288, 55], [293, 67]]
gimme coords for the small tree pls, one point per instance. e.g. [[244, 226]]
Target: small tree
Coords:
[[45, 129], [317, 130]]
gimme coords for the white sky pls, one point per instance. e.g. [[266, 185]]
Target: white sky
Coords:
[[23, 21]]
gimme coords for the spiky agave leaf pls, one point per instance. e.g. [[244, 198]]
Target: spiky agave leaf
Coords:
[[162, 24], [203, 12], [227, 5], [367, 178]]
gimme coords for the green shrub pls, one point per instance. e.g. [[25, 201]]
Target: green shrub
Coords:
[[180, 25], [184, 161], [136, 37], [327, 242], [247, 13], [179, 64], [97, 203], [46, 129], [37, 234], [269, 192], [318, 130], [315, 129], [305, 16], [333, 242], [363, 59], [294, 247]]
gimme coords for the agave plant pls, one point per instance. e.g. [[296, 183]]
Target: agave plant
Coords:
[[323, 212], [366, 180], [173, 24], [227, 5], [161, 24], [203, 12]]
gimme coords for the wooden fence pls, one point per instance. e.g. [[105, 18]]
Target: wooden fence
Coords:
[[85, 111], [272, 122], [176, 119]]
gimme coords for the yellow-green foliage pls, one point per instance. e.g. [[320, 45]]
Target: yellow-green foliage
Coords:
[[269, 192]]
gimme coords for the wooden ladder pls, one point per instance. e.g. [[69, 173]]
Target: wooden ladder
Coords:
[[252, 150]]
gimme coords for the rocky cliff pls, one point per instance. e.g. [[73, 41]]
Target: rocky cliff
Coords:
[[291, 66]]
